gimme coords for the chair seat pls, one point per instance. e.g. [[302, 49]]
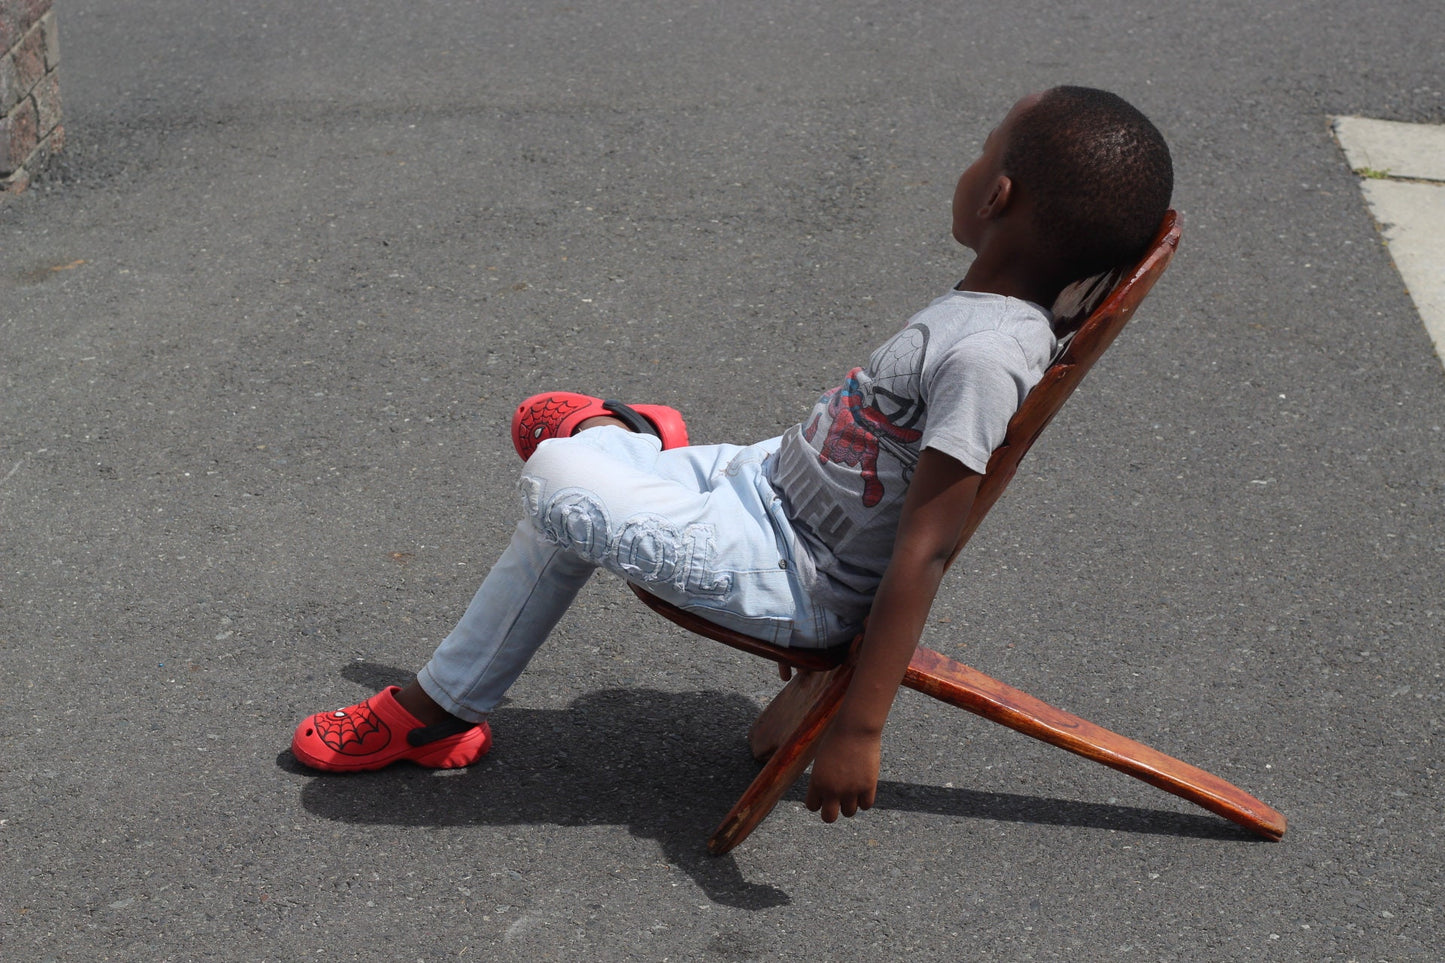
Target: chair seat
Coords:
[[809, 660]]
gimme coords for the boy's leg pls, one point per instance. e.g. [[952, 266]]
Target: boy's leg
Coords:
[[428, 697], [516, 608], [583, 502], [698, 526], [440, 720]]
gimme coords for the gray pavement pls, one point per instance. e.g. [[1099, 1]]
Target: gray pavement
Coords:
[[259, 345]]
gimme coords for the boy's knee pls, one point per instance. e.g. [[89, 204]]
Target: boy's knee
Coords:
[[574, 518], [558, 496], [554, 466], [645, 547]]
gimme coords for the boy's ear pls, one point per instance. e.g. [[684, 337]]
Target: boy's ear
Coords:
[[999, 197]]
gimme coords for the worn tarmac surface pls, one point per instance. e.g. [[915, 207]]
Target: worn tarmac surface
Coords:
[[258, 349]]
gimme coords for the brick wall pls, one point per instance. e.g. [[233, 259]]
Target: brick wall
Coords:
[[30, 128]]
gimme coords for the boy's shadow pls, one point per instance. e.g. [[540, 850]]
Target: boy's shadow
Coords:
[[665, 765], [662, 764]]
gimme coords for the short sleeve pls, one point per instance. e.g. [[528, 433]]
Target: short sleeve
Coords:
[[971, 392]]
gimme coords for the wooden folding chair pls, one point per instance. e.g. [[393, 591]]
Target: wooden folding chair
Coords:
[[1088, 316]]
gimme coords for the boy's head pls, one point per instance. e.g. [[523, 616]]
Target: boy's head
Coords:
[[1093, 173]]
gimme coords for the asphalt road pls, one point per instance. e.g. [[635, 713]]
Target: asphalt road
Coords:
[[259, 343]]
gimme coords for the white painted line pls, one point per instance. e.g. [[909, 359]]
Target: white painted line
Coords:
[[1403, 179], [1412, 218], [1393, 149]]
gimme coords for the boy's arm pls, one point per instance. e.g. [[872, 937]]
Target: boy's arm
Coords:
[[845, 770]]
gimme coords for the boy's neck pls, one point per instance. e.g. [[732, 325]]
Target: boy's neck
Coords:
[[985, 276]]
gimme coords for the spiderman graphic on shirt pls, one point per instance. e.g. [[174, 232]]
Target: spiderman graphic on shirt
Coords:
[[869, 416]]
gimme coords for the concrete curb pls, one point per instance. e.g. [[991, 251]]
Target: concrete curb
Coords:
[[1402, 168]]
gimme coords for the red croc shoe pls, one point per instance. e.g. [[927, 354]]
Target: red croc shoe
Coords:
[[379, 732], [556, 414]]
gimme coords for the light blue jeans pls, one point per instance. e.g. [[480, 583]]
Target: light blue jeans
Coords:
[[700, 527]]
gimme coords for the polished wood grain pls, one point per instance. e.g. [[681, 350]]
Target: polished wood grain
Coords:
[[816, 660], [788, 759], [782, 716], [965, 687]]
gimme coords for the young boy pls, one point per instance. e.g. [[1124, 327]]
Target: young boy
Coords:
[[851, 513]]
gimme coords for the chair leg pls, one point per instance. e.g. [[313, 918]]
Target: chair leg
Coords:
[[965, 687], [811, 701], [781, 717]]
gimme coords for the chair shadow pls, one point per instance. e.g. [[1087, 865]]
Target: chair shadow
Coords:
[[666, 766]]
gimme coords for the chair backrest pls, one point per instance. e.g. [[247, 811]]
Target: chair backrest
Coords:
[[1088, 315]]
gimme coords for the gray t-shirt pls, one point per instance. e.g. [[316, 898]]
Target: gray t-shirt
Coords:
[[950, 380]]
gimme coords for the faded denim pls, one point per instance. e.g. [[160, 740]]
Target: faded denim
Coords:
[[700, 527]]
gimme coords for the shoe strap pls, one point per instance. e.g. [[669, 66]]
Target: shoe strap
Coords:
[[425, 735], [629, 417]]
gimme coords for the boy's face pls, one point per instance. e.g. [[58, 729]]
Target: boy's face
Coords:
[[979, 183]]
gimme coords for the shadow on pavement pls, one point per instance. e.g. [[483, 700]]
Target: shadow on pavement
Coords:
[[665, 765]]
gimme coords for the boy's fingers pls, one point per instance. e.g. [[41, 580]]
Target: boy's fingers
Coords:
[[815, 803]]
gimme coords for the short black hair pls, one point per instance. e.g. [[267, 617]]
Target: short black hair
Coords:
[[1099, 174]]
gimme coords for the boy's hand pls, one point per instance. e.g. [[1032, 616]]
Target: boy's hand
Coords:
[[845, 773]]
